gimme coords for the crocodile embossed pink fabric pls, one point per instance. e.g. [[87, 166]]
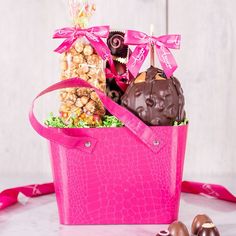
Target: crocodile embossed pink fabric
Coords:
[[128, 175], [122, 181]]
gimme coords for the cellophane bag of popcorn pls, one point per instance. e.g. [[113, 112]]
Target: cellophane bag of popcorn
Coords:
[[81, 60]]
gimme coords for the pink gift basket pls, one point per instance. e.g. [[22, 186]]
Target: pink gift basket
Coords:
[[127, 175]]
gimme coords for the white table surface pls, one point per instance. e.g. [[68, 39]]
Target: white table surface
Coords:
[[38, 217]]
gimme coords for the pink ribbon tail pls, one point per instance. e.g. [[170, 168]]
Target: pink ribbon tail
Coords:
[[167, 60], [137, 59], [211, 190], [65, 46], [9, 197], [101, 48]]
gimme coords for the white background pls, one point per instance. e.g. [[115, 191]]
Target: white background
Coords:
[[206, 70]]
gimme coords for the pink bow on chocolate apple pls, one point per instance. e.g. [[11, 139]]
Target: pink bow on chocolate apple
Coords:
[[162, 45], [93, 34]]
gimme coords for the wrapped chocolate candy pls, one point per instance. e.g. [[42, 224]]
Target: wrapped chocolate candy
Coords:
[[116, 73], [155, 99], [82, 55], [115, 42]]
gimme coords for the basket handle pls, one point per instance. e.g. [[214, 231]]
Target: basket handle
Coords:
[[133, 123]]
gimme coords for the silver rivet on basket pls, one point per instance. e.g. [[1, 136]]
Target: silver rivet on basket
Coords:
[[87, 144], [156, 142]]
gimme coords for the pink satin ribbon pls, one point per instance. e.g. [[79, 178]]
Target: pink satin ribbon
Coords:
[[9, 197], [162, 45], [211, 190], [118, 78], [93, 34]]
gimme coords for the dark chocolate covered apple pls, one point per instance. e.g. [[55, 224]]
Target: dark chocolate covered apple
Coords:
[[155, 99]]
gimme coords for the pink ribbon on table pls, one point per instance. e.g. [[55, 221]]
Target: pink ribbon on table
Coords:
[[93, 34], [162, 45], [9, 197], [118, 78], [211, 190]]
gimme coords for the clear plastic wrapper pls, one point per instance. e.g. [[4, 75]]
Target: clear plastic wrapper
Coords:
[[82, 60]]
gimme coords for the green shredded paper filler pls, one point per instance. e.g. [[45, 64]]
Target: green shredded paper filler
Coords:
[[57, 122], [107, 121]]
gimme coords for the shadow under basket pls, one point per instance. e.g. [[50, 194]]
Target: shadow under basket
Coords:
[[127, 175]]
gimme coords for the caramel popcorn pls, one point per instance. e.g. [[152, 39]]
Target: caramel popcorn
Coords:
[[83, 62], [88, 50], [79, 47], [82, 103]]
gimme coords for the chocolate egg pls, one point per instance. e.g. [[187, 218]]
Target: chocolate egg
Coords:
[[198, 221], [178, 228], [164, 233], [208, 229], [155, 99], [115, 42]]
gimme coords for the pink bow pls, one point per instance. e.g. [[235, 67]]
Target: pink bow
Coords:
[[118, 78], [162, 45], [93, 34]]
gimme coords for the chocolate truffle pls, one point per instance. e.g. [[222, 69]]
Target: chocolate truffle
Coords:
[[178, 228], [208, 229], [164, 233], [155, 99], [198, 221], [115, 43]]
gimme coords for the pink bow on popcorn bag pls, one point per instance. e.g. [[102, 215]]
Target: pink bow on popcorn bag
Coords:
[[162, 45], [93, 35]]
